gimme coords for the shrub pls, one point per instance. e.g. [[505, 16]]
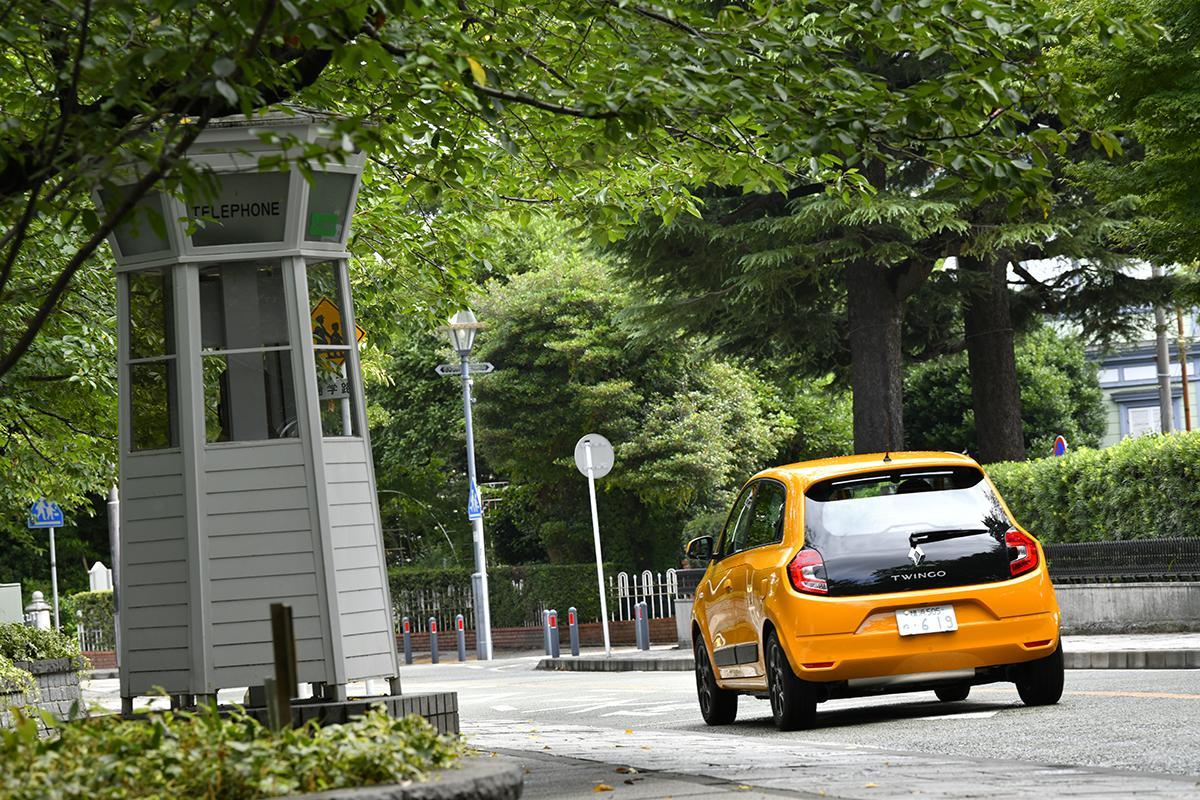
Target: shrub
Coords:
[[20, 642], [209, 755], [1143, 488]]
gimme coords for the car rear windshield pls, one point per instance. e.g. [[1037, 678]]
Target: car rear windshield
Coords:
[[901, 502]]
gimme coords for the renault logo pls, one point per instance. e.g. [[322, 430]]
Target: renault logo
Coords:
[[916, 555]]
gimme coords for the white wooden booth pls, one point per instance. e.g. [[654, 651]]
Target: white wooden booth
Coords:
[[246, 474]]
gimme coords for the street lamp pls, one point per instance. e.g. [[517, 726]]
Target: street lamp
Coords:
[[461, 333]]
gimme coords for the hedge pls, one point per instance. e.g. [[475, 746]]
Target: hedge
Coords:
[[94, 610], [1142, 488], [516, 592]]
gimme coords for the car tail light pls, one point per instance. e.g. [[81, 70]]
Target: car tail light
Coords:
[[1022, 552], [807, 573]]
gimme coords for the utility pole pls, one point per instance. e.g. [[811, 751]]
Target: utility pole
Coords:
[[1163, 359], [1182, 346]]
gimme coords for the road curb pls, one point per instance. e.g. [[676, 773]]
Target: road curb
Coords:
[[1104, 659], [476, 778]]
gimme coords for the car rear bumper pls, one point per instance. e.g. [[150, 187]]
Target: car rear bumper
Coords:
[[838, 639], [974, 645]]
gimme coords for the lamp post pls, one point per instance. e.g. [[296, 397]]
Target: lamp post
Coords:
[[461, 333]]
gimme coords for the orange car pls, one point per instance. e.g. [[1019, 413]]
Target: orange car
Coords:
[[870, 575]]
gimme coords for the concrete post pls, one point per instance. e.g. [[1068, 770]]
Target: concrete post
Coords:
[[461, 630], [552, 632], [642, 626], [433, 643], [406, 627], [573, 627]]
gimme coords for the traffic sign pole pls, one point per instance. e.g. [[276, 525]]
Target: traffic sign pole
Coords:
[[54, 579], [591, 475]]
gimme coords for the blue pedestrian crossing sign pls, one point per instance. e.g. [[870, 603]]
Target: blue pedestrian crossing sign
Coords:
[[474, 507], [45, 514]]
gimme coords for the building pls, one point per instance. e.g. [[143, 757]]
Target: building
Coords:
[[1128, 378]]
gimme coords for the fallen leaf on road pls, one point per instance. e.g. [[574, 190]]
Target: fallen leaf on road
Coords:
[[602, 787], [546, 747], [629, 730], [741, 787], [627, 770], [872, 786], [645, 747]]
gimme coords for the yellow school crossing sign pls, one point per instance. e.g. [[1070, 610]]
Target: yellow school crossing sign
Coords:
[[328, 331]]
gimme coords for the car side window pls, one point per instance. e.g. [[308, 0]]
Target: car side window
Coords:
[[766, 520], [733, 538]]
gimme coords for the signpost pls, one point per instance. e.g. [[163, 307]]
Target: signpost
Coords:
[[46, 514], [481, 367], [594, 458], [474, 505], [1060, 446]]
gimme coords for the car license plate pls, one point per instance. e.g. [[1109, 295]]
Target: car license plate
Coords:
[[930, 619]]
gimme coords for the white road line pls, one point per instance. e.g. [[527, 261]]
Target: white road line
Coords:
[[964, 715], [504, 708]]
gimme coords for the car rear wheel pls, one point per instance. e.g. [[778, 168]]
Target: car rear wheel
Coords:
[[1040, 682], [953, 694], [718, 706], [793, 701]]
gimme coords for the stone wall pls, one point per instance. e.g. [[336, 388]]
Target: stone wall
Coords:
[[1166, 607], [58, 689]]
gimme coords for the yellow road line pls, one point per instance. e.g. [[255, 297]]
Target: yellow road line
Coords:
[[1099, 693]]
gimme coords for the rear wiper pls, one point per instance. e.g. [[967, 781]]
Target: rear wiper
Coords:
[[939, 536]]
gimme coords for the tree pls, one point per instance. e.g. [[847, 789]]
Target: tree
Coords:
[[687, 429], [1148, 93], [1059, 395], [105, 92]]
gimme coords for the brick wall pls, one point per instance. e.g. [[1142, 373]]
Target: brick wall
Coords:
[[662, 631], [101, 659]]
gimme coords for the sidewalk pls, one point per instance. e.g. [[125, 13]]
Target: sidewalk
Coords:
[[1131, 651]]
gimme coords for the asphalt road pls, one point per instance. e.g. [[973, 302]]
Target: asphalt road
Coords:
[[1146, 721]]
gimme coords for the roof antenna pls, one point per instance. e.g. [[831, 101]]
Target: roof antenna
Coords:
[[887, 456]]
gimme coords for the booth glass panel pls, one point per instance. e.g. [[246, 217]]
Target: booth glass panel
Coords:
[[249, 391], [144, 228], [249, 396], [153, 423], [242, 305], [150, 360], [336, 394], [328, 206], [151, 314]]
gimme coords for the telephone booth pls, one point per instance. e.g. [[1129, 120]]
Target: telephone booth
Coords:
[[245, 464]]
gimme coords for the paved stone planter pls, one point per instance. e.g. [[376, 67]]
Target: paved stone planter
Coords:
[[476, 778], [58, 688]]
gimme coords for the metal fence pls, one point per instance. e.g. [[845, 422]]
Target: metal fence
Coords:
[[96, 639], [657, 589], [1136, 560], [419, 603]]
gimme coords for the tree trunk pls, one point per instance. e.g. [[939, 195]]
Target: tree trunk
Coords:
[[874, 312], [995, 393]]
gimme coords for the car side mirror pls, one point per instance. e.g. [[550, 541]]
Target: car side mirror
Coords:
[[700, 548]]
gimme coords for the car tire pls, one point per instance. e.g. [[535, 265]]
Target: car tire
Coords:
[[793, 701], [1040, 682], [954, 693], [718, 706]]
